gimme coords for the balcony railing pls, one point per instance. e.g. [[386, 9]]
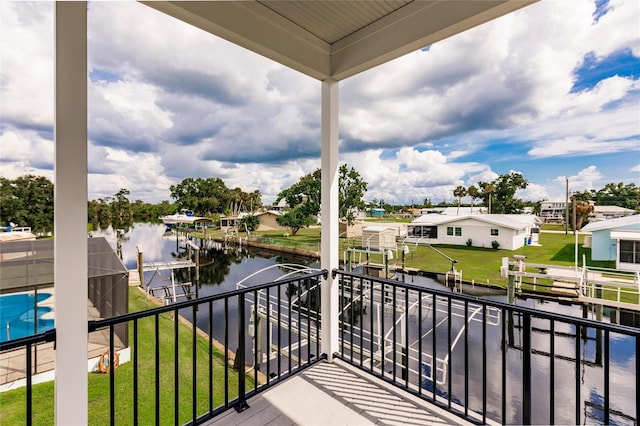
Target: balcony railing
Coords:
[[484, 360], [489, 361]]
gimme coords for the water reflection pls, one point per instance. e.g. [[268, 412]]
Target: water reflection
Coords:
[[224, 269]]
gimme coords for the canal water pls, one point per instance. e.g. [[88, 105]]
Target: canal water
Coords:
[[224, 269]]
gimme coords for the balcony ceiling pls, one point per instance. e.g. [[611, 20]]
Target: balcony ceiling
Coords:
[[336, 39]]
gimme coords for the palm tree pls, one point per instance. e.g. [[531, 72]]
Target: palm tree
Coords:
[[459, 192], [473, 193], [487, 189]]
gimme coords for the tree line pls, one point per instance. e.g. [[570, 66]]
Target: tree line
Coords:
[[28, 200]]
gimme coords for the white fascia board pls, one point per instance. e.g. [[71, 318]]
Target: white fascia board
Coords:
[[625, 235], [256, 28], [410, 28]]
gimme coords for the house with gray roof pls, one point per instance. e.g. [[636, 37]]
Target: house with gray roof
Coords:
[[510, 231], [616, 239]]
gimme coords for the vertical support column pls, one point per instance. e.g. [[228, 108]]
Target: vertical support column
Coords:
[[329, 216], [70, 213]]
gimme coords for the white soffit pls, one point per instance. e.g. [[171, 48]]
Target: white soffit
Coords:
[[336, 39]]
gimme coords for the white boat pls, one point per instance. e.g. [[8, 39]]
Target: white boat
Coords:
[[185, 216]]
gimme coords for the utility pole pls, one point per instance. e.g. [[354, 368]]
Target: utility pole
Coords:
[[566, 207]]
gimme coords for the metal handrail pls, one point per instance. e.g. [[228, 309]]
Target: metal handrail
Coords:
[[374, 337]]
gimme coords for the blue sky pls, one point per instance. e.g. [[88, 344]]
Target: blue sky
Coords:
[[551, 91]]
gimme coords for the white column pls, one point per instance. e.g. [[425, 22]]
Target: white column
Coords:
[[329, 215], [70, 213]]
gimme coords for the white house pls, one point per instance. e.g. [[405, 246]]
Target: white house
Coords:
[[553, 211], [510, 231], [611, 212], [267, 221], [464, 211], [616, 239]]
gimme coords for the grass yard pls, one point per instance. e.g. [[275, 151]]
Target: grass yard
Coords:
[[12, 404]]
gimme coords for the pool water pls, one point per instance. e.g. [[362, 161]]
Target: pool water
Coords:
[[18, 318]]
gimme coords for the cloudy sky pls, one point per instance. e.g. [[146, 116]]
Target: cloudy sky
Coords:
[[551, 91]]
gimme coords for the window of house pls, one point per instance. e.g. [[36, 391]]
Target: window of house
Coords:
[[451, 230], [629, 251], [494, 232]]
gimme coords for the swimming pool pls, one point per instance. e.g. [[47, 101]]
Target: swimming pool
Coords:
[[17, 316]]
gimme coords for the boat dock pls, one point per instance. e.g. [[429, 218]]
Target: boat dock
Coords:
[[583, 284]]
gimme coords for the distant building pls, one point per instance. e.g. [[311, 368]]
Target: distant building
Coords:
[[610, 212], [510, 231], [616, 239], [553, 211], [464, 211], [267, 221], [375, 212]]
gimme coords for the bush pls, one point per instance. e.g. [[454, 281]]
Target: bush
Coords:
[[469, 242], [495, 244]]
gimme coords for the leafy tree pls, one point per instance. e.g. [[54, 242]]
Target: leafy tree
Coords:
[[505, 189], [304, 195], [203, 196], [473, 193], [619, 194], [295, 220], [351, 189], [249, 222], [27, 201], [488, 188], [121, 215], [459, 192]]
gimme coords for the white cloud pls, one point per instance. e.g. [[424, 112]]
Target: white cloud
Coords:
[[168, 101], [584, 180], [27, 63]]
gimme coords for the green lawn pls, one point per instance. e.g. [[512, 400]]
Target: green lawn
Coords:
[[477, 263], [12, 404]]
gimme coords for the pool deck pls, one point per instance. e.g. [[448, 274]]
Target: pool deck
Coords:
[[336, 394], [13, 363]]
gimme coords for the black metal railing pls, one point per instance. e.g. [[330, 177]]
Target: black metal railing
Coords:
[[20, 362], [191, 374], [487, 360]]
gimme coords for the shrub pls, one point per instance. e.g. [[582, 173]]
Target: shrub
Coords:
[[495, 244], [469, 242]]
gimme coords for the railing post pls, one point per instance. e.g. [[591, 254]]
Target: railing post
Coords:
[[526, 369], [329, 259], [241, 405]]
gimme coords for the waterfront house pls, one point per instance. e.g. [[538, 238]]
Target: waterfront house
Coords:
[[616, 239], [329, 41], [267, 221], [553, 211], [509, 231], [610, 212]]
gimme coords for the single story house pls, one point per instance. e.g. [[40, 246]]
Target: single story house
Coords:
[[511, 231], [610, 212], [464, 211], [267, 221], [616, 239]]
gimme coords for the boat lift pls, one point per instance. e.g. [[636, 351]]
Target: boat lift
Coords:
[[169, 291], [263, 308]]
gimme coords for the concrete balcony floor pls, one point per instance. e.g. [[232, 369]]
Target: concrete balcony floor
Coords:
[[336, 394]]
